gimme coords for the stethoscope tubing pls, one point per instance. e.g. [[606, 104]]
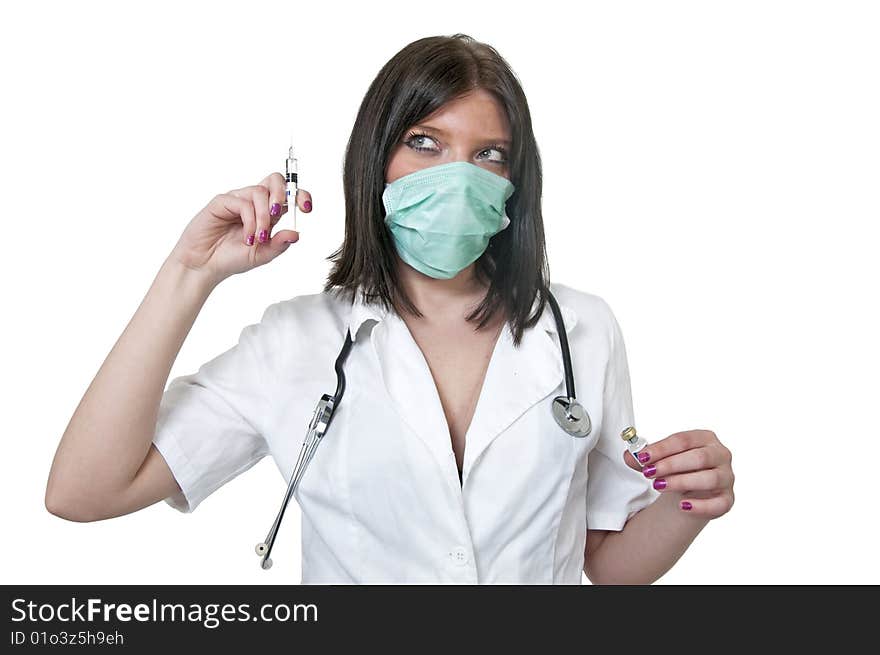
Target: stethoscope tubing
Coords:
[[307, 450], [563, 343]]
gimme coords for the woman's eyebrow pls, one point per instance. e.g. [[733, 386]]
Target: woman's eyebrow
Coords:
[[437, 130]]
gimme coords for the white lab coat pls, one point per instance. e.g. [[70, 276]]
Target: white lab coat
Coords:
[[381, 501]]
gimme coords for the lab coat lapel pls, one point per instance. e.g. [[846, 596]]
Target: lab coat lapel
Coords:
[[515, 380], [406, 377], [410, 385]]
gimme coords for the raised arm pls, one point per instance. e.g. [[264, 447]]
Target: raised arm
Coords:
[[106, 464]]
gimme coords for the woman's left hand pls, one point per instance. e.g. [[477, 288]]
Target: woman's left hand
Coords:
[[696, 465]]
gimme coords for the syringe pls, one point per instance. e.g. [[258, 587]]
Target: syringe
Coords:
[[290, 177]]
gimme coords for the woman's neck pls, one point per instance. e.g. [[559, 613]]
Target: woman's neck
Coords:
[[456, 296]]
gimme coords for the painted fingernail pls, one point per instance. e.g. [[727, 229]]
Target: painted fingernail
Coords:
[[686, 505], [275, 210], [649, 470], [659, 484], [307, 205], [263, 235], [250, 240], [644, 457]]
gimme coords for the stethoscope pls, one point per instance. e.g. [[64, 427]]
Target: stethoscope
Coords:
[[568, 412]]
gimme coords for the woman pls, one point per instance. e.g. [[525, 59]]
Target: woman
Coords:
[[444, 463]]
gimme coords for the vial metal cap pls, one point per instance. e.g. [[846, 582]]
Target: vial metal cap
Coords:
[[628, 433]]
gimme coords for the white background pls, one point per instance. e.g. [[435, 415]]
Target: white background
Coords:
[[719, 159]]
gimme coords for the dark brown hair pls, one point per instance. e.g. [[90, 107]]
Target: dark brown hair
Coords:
[[416, 82]]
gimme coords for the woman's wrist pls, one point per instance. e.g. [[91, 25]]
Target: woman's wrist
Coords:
[[188, 281]]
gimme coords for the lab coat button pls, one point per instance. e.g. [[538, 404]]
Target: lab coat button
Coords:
[[459, 556]]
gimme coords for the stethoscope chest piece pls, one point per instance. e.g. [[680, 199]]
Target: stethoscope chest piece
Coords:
[[571, 416]]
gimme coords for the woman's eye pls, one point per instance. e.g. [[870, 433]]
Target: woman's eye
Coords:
[[500, 157], [416, 142]]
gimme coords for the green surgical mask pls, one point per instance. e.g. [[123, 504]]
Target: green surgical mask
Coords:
[[442, 217]]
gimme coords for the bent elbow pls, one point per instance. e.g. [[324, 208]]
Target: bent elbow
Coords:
[[57, 505], [57, 508]]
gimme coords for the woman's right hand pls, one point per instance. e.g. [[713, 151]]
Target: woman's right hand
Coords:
[[224, 238]]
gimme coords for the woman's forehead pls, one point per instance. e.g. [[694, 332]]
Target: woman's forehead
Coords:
[[477, 114]]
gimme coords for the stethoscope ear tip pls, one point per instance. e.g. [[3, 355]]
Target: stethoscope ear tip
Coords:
[[261, 549]]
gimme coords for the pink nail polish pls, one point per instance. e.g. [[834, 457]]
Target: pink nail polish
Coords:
[[263, 235], [648, 471], [250, 240], [275, 210], [659, 484], [307, 205], [644, 457], [686, 505]]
